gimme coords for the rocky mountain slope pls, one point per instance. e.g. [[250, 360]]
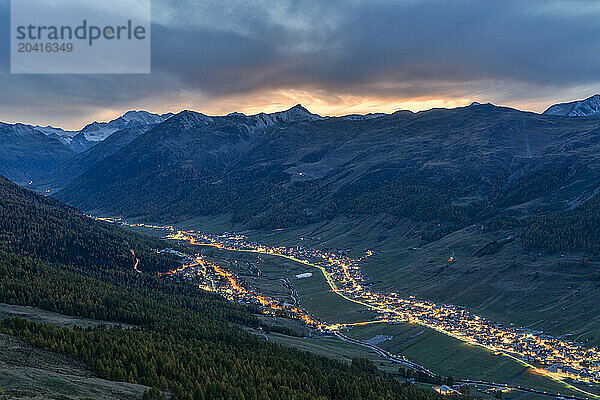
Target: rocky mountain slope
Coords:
[[62, 174], [98, 131], [580, 108], [25, 152]]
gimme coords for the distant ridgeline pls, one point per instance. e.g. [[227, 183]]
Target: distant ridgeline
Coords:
[[447, 167], [57, 259]]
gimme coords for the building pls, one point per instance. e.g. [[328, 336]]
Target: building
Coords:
[[445, 390]]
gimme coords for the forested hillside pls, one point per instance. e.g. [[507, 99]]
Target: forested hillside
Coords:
[[43, 228], [574, 229], [182, 340]]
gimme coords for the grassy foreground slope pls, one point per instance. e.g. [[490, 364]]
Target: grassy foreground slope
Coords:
[[31, 373]]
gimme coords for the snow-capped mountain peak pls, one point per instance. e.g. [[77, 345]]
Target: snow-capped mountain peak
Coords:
[[296, 113], [17, 130], [362, 117], [580, 108], [98, 131], [261, 121], [65, 137]]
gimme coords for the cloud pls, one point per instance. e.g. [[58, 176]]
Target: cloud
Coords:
[[336, 54]]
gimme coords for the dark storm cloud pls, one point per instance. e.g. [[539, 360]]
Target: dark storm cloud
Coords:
[[411, 41], [396, 49]]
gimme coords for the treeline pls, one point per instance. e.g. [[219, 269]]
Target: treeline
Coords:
[[184, 192], [108, 295], [577, 229], [422, 198], [536, 179], [253, 197], [265, 196], [421, 376]]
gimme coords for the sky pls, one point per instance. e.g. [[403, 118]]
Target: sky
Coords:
[[334, 57]]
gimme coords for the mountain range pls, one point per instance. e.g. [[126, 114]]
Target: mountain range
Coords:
[[62, 174], [95, 132], [290, 168], [27, 151], [98, 131]]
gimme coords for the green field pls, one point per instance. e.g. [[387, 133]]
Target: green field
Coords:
[[333, 348], [313, 292], [464, 357], [512, 286], [448, 356]]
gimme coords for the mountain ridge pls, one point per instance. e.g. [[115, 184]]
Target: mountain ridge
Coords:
[[62, 174], [98, 131], [26, 152], [579, 108]]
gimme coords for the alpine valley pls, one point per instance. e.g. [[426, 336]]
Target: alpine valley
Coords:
[[444, 246]]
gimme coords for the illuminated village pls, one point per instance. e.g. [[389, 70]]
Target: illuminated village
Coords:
[[214, 278], [551, 356]]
